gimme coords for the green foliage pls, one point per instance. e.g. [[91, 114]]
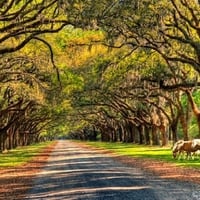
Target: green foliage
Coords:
[[148, 43], [71, 36], [73, 81], [196, 95]]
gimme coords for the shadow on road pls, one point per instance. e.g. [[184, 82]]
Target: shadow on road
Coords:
[[74, 173]]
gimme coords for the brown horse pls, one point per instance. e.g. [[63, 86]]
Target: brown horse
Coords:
[[185, 146], [176, 150]]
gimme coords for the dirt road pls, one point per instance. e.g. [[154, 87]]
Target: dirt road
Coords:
[[77, 173]]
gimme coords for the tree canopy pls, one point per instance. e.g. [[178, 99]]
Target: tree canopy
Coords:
[[126, 70]]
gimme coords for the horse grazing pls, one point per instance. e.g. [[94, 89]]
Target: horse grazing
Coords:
[[176, 148], [185, 146], [196, 144]]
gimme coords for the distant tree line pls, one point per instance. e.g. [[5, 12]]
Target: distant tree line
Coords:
[[161, 57]]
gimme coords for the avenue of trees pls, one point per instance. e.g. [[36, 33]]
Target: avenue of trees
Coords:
[[124, 70], [26, 68]]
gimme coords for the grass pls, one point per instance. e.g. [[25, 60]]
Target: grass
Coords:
[[21, 155], [147, 152]]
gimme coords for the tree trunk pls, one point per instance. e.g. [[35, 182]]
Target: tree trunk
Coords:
[[155, 137], [94, 137], [4, 142], [184, 125], [120, 134], [147, 135], [173, 128], [1, 142], [10, 140], [195, 109], [130, 132], [164, 137], [141, 134]]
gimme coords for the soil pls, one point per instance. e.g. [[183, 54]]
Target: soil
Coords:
[[163, 169], [159, 168], [14, 182]]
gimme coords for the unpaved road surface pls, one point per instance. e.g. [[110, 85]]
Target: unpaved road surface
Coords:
[[76, 173]]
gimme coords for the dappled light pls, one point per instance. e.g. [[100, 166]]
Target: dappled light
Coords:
[[121, 75], [73, 172]]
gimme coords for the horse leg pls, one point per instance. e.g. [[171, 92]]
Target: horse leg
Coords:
[[186, 155], [190, 155], [180, 154]]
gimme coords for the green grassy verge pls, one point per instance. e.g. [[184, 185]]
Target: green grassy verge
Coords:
[[147, 152], [21, 155]]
